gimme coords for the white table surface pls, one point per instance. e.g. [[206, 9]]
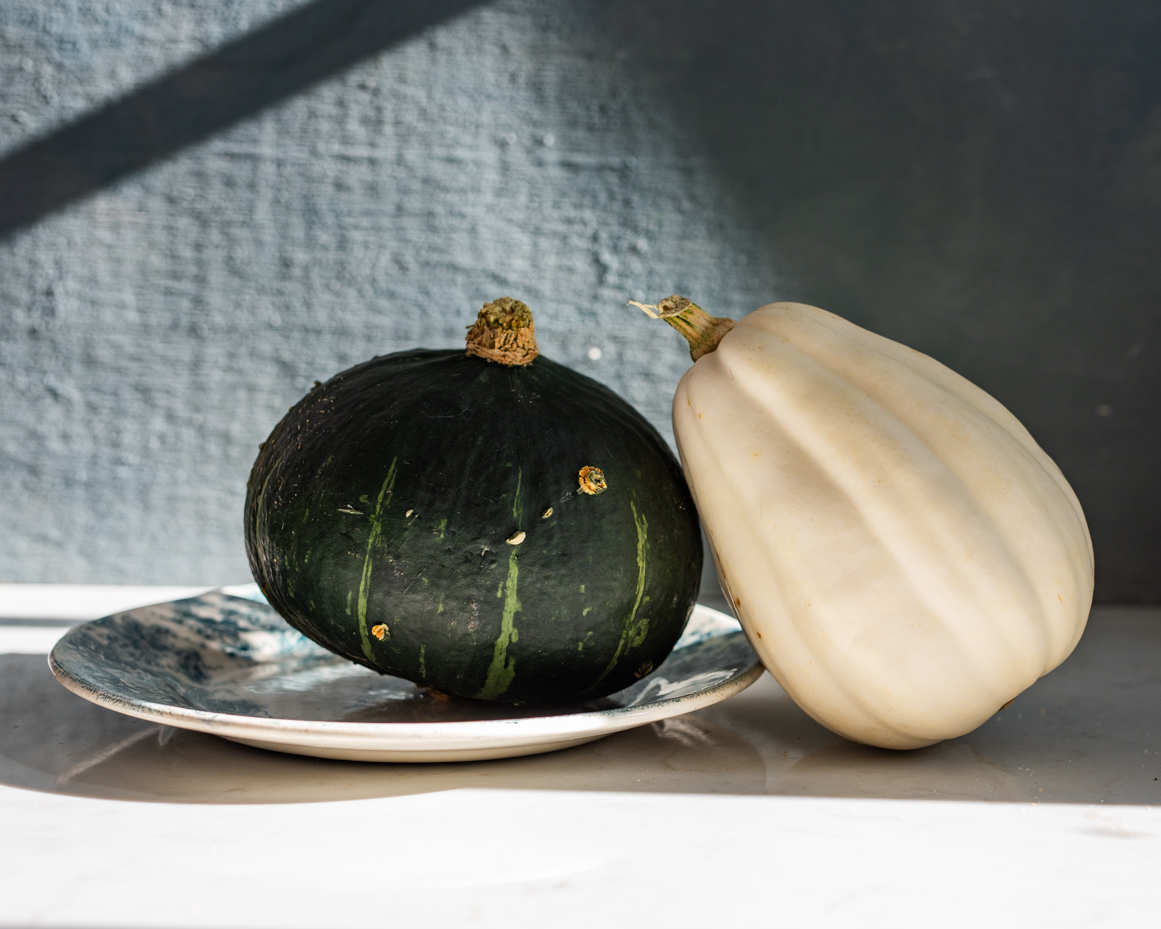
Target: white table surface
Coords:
[[748, 811]]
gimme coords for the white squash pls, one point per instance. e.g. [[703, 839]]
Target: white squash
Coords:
[[903, 556]]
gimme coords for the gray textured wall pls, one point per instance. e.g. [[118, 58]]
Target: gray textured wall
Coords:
[[206, 205]]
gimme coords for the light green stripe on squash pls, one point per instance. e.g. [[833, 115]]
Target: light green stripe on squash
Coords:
[[633, 631], [503, 669], [381, 504]]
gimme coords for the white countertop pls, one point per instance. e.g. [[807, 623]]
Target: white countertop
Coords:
[[1045, 816]]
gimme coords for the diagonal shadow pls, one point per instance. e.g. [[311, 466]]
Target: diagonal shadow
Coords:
[[204, 97]]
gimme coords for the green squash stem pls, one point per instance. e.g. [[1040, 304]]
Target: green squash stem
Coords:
[[702, 331]]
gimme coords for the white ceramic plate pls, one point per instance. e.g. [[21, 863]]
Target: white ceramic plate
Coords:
[[227, 664]]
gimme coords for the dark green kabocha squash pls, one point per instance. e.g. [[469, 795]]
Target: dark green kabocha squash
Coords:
[[490, 524]]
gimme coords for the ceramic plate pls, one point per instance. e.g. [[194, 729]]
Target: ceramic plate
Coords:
[[225, 663]]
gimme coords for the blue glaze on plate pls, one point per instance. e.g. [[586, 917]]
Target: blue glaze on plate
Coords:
[[225, 662]]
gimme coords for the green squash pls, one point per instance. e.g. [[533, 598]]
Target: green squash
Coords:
[[490, 524]]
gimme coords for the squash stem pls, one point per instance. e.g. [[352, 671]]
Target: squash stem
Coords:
[[702, 331], [504, 332]]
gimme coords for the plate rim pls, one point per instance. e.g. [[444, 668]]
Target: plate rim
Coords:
[[406, 737]]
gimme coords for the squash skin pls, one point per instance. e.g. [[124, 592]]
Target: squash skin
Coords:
[[904, 557], [444, 458]]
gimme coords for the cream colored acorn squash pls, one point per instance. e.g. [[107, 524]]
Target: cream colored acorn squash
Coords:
[[902, 554]]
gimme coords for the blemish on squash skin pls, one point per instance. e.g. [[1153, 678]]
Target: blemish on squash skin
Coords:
[[592, 480], [737, 601], [380, 631]]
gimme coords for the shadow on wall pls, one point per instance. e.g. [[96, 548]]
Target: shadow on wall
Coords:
[[981, 182], [188, 105]]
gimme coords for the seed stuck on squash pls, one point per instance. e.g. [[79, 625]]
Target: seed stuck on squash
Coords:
[[517, 538], [592, 480]]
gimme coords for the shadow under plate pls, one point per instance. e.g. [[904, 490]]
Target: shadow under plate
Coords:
[[1087, 733]]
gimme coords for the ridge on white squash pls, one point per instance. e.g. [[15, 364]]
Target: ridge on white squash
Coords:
[[903, 556]]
